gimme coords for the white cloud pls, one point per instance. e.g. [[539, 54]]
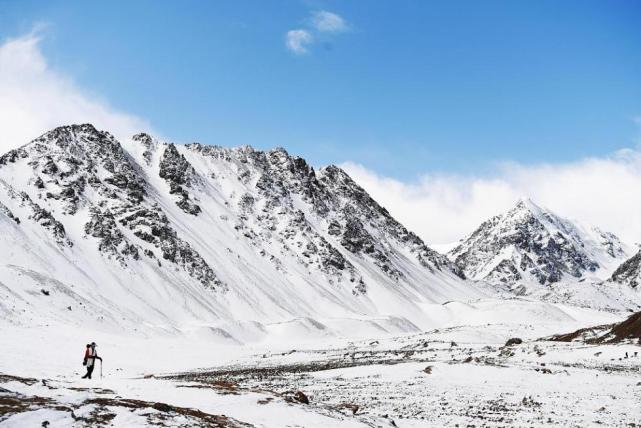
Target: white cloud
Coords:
[[34, 98], [605, 192], [297, 41], [328, 22], [322, 25]]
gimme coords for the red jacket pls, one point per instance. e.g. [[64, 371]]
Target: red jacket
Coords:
[[90, 356]]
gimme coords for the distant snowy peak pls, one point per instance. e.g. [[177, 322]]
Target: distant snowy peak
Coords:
[[529, 243]]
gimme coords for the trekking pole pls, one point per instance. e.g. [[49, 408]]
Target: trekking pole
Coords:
[[101, 368]]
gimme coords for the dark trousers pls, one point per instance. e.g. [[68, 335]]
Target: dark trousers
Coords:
[[89, 371]]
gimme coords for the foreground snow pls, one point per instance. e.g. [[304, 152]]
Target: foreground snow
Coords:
[[453, 375]]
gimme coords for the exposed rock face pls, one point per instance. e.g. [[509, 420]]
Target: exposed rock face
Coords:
[[149, 145], [112, 242], [152, 226], [178, 173], [629, 272], [45, 219], [529, 243], [7, 212]]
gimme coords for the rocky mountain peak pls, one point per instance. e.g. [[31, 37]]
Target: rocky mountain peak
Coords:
[[525, 206], [530, 244]]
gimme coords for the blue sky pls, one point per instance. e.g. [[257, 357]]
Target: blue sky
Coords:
[[401, 87]]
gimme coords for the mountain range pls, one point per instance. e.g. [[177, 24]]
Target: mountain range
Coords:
[[147, 235]]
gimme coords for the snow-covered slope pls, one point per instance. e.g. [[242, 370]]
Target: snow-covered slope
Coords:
[[532, 245], [144, 234]]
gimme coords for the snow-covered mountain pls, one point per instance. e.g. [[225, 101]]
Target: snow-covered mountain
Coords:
[[531, 245], [150, 234]]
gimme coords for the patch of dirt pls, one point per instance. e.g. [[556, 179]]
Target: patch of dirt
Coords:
[[207, 419], [583, 334], [609, 333], [4, 378], [628, 329], [11, 403]]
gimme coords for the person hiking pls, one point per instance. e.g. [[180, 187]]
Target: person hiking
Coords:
[[90, 359]]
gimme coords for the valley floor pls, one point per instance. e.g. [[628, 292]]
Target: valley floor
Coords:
[[458, 376]]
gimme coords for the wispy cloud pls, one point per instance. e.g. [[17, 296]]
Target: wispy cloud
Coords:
[[34, 98], [328, 22], [321, 25], [444, 208], [297, 41]]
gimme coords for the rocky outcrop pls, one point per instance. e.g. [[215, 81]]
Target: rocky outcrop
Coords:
[[178, 173], [629, 272], [149, 145], [112, 242], [152, 227], [45, 219]]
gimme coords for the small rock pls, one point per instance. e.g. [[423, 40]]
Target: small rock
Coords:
[[301, 397], [162, 407], [428, 370], [46, 293], [514, 341]]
